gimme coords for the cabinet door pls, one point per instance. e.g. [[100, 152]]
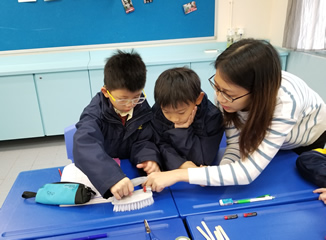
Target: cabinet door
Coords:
[[20, 115], [283, 59], [205, 70], [153, 72], [62, 97], [96, 80]]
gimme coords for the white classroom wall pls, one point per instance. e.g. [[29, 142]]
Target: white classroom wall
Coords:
[[259, 18], [266, 19]]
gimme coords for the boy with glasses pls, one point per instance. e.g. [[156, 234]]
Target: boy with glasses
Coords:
[[189, 126], [117, 124]]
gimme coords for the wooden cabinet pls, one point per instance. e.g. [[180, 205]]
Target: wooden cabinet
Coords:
[[42, 94], [62, 97], [20, 114]]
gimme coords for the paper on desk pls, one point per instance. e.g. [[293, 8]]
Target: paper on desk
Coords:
[[71, 173]]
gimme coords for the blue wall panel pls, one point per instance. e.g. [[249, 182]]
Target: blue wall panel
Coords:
[[64, 23]]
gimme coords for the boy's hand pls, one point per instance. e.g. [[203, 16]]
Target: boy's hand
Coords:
[[189, 121], [322, 195], [187, 164], [122, 188], [149, 167]]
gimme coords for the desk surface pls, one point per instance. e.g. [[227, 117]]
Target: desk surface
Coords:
[[22, 218], [164, 229], [305, 220], [279, 179]]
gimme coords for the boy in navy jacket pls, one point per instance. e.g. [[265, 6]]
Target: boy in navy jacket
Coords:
[[188, 125], [117, 124]]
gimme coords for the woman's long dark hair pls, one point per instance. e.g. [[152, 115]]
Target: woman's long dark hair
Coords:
[[255, 66]]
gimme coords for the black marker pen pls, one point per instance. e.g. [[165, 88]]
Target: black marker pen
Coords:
[[230, 216]]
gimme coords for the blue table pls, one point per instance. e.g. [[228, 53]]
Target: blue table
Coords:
[[304, 220], [23, 218], [279, 179], [164, 229]]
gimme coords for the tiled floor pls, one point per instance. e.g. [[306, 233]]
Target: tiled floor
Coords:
[[27, 154]]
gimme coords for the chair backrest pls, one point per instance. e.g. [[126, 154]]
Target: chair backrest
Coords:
[[223, 143], [69, 140]]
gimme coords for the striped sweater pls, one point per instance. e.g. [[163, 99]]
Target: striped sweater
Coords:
[[299, 119]]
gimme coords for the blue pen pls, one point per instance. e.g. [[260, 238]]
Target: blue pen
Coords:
[[97, 236]]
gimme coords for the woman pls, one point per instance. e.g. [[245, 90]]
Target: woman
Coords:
[[265, 110]]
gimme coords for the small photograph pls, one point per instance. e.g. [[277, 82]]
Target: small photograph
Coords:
[[189, 7], [127, 4], [148, 1]]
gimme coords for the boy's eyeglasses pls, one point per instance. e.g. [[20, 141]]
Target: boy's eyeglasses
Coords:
[[124, 102], [225, 95]]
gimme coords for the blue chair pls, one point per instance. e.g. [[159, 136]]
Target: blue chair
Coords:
[[223, 141], [69, 140], [220, 152]]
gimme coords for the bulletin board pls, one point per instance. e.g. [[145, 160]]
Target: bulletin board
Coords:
[[69, 23]]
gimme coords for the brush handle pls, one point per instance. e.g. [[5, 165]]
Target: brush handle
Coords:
[[138, 181]]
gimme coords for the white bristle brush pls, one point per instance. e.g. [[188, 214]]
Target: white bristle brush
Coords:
[[139, 199]]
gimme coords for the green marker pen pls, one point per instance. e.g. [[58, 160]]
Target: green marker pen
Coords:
[[258, 199]]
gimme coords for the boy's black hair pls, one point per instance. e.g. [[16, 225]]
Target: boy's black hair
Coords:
[[175, 86], [125, 71]]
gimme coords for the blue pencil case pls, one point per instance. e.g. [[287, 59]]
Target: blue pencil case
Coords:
[[61, 193]]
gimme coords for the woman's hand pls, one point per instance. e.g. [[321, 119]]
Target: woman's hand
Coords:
[[160, 180]]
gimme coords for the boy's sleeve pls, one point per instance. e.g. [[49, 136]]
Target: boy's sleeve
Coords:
[[199, 146], [91, 158], [145, 149], [210, 142], [172, 159]]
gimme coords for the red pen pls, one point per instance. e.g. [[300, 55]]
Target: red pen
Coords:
[[252, 214], [60, 172]]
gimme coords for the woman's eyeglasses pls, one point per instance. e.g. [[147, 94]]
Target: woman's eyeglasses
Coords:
[[225, 95]]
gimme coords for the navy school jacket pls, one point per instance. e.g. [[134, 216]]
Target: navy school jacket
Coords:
[[199, 143], [100, 136]]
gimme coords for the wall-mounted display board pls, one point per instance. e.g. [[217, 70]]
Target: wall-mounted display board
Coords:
[[70, 23]]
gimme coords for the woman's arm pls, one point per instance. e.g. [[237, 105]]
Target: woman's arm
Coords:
[[236, 171]]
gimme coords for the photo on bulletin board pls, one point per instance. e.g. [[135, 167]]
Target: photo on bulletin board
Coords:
[[189, 7], [86, 23], [127, 4]]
